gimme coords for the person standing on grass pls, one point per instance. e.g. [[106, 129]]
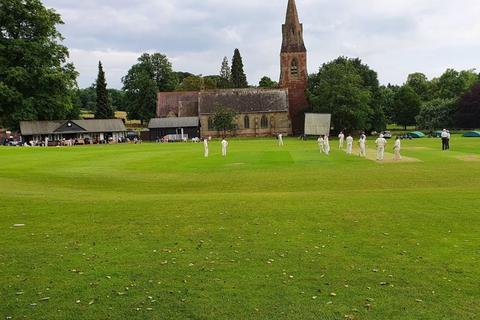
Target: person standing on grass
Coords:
[[363, 145], [349, 144], [448, 139], [205, 145], [280, 140], [444, 137], [341, 139], [396, 149], [321, 144], [381, 143], [326, 144], [224, 147]]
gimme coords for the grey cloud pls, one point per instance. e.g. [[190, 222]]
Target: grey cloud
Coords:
[[395, 37]]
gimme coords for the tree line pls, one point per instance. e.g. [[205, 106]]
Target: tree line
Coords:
[[38, 83], [350, 91]]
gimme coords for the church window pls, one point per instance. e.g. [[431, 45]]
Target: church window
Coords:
[[264, 122], [294, 68], [210, 123], [246, 122]]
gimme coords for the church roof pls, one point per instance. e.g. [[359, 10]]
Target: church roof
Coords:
[[173, 122], [244, 100]]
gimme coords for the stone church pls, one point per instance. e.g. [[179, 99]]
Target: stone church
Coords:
[[260, 112]]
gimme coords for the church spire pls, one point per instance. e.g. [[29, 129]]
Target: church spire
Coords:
[[292, 30]]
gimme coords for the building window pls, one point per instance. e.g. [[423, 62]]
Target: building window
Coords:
[[246, 122], [264, 122], [210, 123], [294, 68]]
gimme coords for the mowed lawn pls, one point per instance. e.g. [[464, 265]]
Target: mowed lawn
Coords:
[[156, 231]]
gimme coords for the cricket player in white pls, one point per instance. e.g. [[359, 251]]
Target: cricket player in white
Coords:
[[381, 143], [396, 149], [224, 147], [349, 144], [363, 145], [280, 140], [205, 145], [326, 147], [341, 139], [321, 144]]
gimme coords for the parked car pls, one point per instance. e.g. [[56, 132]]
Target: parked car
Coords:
[[387, 135]]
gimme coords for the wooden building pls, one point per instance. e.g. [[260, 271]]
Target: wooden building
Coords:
[[84, 131], [181, 127]]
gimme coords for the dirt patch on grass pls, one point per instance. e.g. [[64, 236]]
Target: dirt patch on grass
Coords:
[[469, 158]]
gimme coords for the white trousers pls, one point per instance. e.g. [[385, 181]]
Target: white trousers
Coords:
[[206, 152], [349, 148], [363, 151], [380, 153], [396, 155], [224, 151]]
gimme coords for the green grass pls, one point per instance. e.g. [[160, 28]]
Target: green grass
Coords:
[[159, 232]]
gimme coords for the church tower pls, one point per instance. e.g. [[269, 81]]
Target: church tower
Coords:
[[293, 63]]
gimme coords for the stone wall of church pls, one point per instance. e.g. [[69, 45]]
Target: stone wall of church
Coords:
[[252, 125]]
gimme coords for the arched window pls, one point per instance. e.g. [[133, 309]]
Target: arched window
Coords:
[[294, 68], [210, 123], [246, 122], [264, 122]]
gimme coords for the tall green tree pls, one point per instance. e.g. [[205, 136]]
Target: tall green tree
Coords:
[[406, 106], [225, 75], [436, 114], [36, 82], [339, 88], [420, 84], [238, 79], [151, 74], [104, 107], [198, 83], [452, 84], [266, 82]]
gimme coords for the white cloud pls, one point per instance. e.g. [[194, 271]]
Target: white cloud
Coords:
[[394, 37]]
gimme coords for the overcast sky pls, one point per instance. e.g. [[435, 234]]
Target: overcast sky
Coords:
[[394, 37]]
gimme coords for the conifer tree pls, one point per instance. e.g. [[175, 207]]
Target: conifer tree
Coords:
[[104, 109], [238, 78], [225, 74]]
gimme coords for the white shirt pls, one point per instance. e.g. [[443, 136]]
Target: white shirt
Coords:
[[349, 140], [224, 143], [380, 142], [341, 136], [397, 144], [444, 134]]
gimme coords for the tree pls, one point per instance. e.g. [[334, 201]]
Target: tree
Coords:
[[266, 82], [339, 89], [117, 97], [238, 79], [436, 114], [36, 83], [224, 119], [225, 75], [406, 106], [420, 84], [197, 83], [467, 113], [152, 73], [452, 84], [386, 99], [104, 106]]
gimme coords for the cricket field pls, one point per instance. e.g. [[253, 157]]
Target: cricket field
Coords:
[[157, 231]]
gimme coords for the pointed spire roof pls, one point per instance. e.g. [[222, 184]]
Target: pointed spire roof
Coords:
[[292, 30]]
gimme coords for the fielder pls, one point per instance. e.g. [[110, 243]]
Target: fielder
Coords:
[[363, 145], [321, 144], [341, 139], [349, 144], [205, 145], [224, 147], [396, 149], [280, 140], [326, 143], [381, 143]]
